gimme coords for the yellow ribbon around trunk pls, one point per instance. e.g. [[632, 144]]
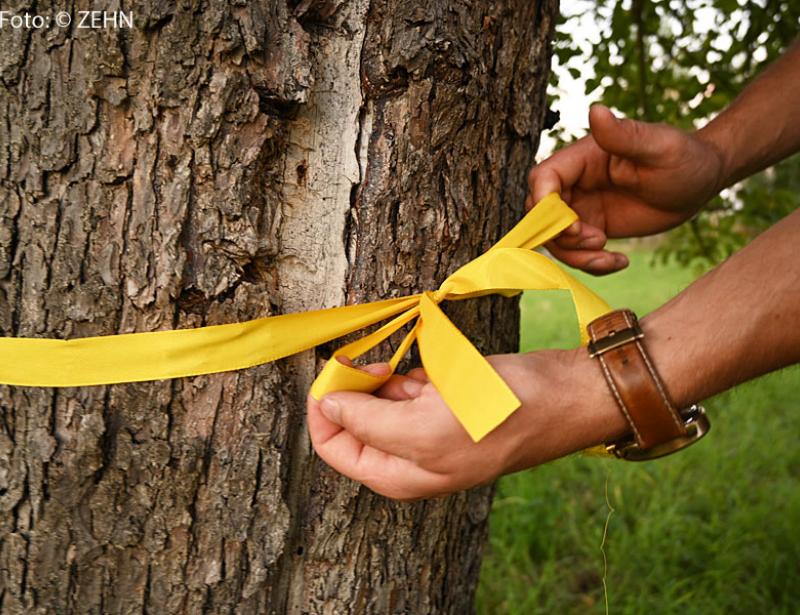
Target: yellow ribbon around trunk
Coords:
[[476, 394]]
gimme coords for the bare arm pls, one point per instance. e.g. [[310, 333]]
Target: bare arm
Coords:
[[762, 126], [737, 322]]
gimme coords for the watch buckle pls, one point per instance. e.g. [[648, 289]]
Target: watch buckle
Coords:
[[696, 423], [615, 339]]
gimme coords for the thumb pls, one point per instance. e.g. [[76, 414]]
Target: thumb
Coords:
[[624, 137]]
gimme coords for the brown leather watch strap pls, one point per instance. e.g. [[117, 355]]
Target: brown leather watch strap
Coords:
[[616, 340]]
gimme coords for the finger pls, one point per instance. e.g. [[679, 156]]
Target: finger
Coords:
[[401, 479], [543, 180], [573, 230], [319, 427], [561, 172], [596, 262], [418, 373], [400, 388], [588, 237], [566, 196], [382, 472], [625, 137], [395, 427], [572, 233]]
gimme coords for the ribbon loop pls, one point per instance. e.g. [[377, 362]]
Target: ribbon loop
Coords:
[[476, 394]]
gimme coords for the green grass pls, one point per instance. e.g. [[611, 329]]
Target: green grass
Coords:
[[712, 530]]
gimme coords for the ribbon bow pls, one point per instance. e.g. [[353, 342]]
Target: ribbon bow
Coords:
[[475, 393]]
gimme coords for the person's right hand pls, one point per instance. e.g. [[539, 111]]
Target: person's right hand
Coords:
[[626, 179]]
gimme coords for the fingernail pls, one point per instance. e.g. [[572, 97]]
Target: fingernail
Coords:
[[573, 229], [412, 387], [620, 260], [331, 409]]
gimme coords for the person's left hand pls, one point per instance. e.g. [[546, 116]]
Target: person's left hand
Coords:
[[405, 443]]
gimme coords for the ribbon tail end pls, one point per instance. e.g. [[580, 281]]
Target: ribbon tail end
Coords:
[[478, 430]]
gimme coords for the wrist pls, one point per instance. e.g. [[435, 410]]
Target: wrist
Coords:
[[569, 388], [597, 416], [679, 359], [717, 139], [658, 427]]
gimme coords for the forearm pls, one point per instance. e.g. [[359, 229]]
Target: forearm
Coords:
[[762, 126], [737, 322]]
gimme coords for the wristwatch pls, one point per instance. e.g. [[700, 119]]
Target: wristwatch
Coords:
[[657, 427]]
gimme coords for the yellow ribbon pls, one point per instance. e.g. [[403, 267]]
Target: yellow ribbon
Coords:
[[476, 394]]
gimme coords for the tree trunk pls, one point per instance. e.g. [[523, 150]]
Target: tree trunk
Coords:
[[219, 162]]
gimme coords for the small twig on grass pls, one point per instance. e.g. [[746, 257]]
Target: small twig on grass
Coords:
[[603, 544]]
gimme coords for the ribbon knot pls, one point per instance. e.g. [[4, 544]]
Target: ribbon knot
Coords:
[[475, 393], [437, 296]]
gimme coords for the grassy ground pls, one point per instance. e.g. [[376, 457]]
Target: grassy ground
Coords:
[[712, 530]]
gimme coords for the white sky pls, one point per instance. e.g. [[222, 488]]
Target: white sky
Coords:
[[572, 103]]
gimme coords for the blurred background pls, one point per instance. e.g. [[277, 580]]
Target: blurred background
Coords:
[[715, 529]]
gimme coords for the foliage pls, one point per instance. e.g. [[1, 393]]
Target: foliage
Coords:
[[710, 531], [681, 62], [728, 223]]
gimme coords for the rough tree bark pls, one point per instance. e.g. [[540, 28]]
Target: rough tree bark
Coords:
[[219, 162]]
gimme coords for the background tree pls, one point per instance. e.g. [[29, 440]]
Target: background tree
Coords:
[[681, 62], [218, 162]]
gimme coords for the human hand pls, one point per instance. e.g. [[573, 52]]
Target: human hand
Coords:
[[405, 443], [625, 179]]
